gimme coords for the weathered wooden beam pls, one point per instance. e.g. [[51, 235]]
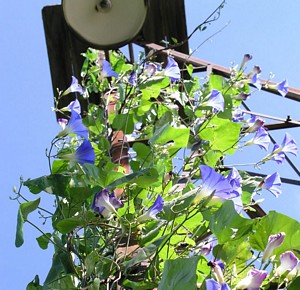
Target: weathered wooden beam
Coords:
[[64, 51], [166, 20], [203, 65]]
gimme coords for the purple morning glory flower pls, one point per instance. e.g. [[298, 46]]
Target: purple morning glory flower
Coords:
[[216, 100], [253, 280], [133, 79], [278, 157], [274, 242], [288, 261], [272, 183], [254, 123], [211, 284], [255, 81], [83, 154], [246, 58], [205, 248], [75, 87], [294, 273], [150, 69], [75, 126], [105, 203], [217, 267], [282, 87], [172, 70], [214, 184], [235, 181], [237, 115], [75, 106], [156, 208], [288, 145], [261, 139], [107, 71], [256, 69]]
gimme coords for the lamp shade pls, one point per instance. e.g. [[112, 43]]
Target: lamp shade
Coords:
[[105, 23]]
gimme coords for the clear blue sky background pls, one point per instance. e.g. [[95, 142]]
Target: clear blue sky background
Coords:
[[269, 30]]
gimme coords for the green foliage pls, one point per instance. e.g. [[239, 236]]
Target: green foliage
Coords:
[[222, 134], [179, 274], [24, 210], [273, 223], [177, 199]]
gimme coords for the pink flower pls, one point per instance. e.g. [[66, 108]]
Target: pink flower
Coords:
[[288, 261], [274, 242], [253, 280]]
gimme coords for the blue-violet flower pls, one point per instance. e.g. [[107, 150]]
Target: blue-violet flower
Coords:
[[216, 101], [75, 106], [75, 87], [211, 284], [272, 183], [156, 208], [172, 70], [83, 154], [75, 126], [255, 81], [282, 87], [106, 70], [105, 203], [261, 139], [214, 185], [254, 123]]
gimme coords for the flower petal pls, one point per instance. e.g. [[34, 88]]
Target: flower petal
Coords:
[[107, 70], [288, 261], [272, 183], [75, 106], [274, 242], [282, 87], [106, 204], [85, 153], [172, 70], [156, 208], [216, 101], [261, 139], [75, 87], [253, 280], [289, 145]]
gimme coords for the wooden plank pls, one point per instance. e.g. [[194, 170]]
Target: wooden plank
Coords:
[[203, 65], [64, 51], [166, 20]]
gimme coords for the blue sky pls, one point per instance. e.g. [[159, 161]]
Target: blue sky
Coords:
[[269, 30]]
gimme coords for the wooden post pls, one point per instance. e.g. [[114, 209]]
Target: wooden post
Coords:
[[119, 146]]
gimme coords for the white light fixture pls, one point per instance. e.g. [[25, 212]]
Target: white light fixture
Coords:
[[105, 23]]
